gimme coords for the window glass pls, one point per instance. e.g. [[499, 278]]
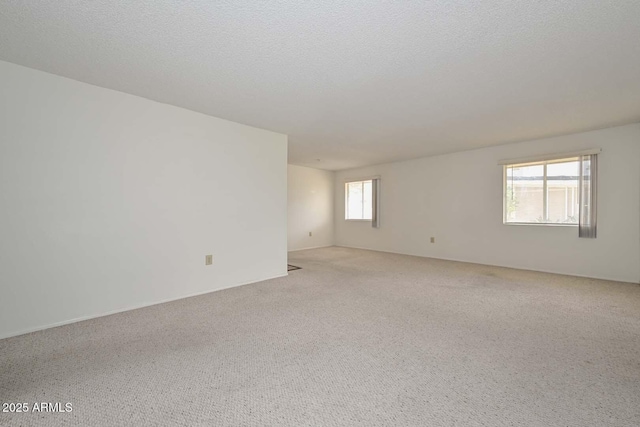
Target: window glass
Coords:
[[562, 189], [542, 192], [358, 200]]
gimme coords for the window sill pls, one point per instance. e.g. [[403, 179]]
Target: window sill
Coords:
[[358, 220], [541, 224]]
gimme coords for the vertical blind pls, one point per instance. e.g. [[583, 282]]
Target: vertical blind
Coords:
[[587, 225], [375, 199]]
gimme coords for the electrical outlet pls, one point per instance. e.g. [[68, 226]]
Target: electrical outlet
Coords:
[[433, 240], [208, 260], [310, 234]]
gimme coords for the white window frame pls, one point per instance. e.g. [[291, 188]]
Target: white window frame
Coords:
[[545, 193], [543, 159], [375, 199], [346, 198]]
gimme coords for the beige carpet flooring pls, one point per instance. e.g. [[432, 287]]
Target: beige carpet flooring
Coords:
[[355, 338]]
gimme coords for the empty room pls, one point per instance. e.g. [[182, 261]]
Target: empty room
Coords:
[[365, 213]]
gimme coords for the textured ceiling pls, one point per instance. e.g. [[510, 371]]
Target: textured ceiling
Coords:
[[352, 83]]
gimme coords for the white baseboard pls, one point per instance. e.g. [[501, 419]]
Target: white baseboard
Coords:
[[311, 247], [134, 307], [497, 265]]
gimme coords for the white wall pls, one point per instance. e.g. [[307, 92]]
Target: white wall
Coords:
[[310, 207], [111, 201], [457, 198]]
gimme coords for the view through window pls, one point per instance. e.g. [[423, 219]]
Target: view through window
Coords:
[[542, 192], [358, 200]]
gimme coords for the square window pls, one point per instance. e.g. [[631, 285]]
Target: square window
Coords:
[[542, 192]]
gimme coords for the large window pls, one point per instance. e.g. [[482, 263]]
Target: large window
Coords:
[[558, 190], [546, 192], [359, 200]]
